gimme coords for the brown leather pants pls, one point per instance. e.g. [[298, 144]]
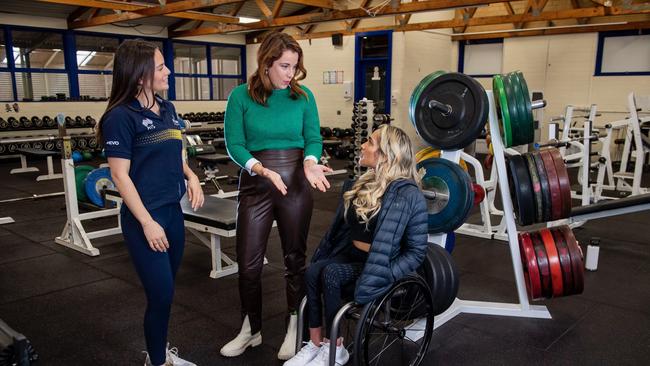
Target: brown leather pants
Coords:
[[259, 204]]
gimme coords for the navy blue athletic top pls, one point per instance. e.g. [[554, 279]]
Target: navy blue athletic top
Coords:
[[358, 229], [153, 144]]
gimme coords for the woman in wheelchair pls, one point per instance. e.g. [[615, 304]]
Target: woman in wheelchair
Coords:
[[378, 236]]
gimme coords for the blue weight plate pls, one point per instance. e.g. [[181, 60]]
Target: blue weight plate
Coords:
[[96, 181], [450, 243], [454, 194]]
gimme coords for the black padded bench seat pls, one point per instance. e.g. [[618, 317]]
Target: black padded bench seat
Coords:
[[332, 142], [214, 158], [216, 212], [611, 205]]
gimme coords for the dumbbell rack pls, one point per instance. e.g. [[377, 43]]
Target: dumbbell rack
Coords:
[[74, 235], [523, 308], [359, 115]]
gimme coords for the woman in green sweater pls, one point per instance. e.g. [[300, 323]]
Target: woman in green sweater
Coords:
[[272, 131]]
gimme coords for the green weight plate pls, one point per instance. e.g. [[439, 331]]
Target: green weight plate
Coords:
[[524, 90], [526, 125], [502, 108], [80, 174], [515, 122]]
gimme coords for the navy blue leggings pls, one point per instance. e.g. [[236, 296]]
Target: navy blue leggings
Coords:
[[333, 279], [157, 271]]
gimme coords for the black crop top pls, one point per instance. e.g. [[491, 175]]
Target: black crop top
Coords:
[[358, 229]]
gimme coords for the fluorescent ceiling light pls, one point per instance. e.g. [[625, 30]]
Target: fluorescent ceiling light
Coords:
[[248, 20], [84, 57]]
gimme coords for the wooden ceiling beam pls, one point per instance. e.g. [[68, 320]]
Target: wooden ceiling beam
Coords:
[[265, 9], [405, 8], [490, 20], [277, 7], [355, 22], [325, 4], [551, 31], [181, 23], [132, 11]]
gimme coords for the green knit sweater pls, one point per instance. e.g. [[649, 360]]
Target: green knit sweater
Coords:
[[283, 124]]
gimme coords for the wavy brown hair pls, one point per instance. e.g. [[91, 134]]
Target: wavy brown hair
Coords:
[[134, 61], [396, 161], [273, 46]]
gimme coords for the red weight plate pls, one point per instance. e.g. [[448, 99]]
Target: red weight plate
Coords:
[[553, 261], [542, 264], [554, 184], [531, 271], [563, 178], [577, 266], [565, 261]]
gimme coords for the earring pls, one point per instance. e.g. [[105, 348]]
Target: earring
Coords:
[[266, 71]]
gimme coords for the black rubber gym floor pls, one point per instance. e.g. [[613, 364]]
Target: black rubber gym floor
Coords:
[[81, 310]]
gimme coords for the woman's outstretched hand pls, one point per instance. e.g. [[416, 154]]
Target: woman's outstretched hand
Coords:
[[315, 174]]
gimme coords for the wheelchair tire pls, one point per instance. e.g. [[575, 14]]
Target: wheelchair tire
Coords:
[[378, 327]]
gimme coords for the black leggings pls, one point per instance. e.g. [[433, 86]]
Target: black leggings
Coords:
[[333, 279]]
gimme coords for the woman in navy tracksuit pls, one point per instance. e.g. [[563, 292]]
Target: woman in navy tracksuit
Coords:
[[378, 236], [142, 139]]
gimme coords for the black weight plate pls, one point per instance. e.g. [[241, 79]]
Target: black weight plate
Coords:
[[453, 282], [444, 176], [544, 185], [522, 190], [469, 107], [537, 188]]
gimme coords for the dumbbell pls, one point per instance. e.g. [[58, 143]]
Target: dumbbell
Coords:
[[73, 143], [363, 126], [37, 145], [82, 143], [25, 145], [49, 121], [79, 121], [3, 124], [59, 145], [14, 123], [362, 103], [69, 122], [2, 149], [90, 121], [37, 122], [92, 143], [337, 132], [49, 145], [11, 148], [26, 122]]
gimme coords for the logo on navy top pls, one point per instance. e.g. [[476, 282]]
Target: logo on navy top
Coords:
[[176, 123], [112, 143], [148, 124]]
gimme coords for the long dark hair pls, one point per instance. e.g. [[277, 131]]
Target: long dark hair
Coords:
[[273, 46], [134, 61]]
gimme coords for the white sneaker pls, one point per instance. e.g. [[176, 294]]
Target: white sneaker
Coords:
[[243, 340], [288, 348], [174, 360], [323, 357], [307, 353]]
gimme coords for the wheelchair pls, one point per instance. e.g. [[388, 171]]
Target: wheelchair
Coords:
[[396, 327]]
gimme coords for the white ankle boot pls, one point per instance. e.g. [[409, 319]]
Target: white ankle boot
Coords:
[[243, 340], [288, 348]]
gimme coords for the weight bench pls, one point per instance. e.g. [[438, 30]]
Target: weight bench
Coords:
[[37, 153], [216, 219], [326, 156], [209, 164]]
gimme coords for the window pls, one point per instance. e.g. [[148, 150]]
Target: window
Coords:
[[482, 58], [3, 49], [95, 56], [623, 53], [205, 71], [6, 89], [39, 64]]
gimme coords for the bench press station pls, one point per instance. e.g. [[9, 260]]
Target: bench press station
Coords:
[[215, 220]]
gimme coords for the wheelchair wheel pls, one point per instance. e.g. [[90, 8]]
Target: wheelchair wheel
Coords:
[[387, 333]]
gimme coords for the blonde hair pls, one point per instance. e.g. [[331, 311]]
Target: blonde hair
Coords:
[[395, 161]]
